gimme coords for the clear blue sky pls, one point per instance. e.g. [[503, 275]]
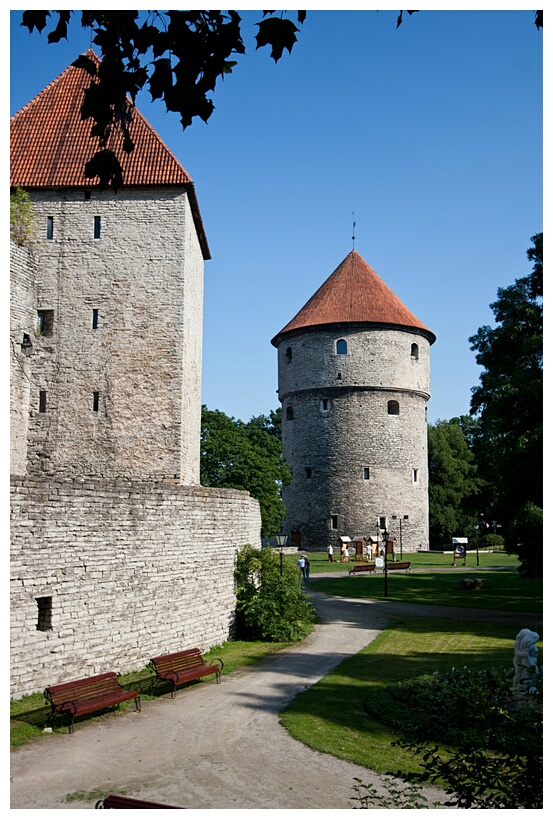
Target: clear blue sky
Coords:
[[431, 134]]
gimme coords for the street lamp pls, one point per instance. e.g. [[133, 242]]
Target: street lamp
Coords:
[[281, 542], [481, 525], [401, 519]]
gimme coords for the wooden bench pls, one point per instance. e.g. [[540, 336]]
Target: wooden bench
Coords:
[[73, 699], [114, 801], [405, 565], [362, 567], [184, 666]]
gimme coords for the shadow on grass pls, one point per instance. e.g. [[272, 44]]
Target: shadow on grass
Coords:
[[502, 590]]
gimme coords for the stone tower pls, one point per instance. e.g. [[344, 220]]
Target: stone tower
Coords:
[[354, 382], [109, 313]]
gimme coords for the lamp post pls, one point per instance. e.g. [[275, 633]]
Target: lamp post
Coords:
[[281, 542], [385, 536], [480, 526], [401, 519]]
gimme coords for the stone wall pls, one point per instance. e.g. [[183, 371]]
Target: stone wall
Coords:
[[119, 361], [106, 574], [22, 338]]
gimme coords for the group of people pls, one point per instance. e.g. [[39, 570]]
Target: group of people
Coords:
[[344, 553]]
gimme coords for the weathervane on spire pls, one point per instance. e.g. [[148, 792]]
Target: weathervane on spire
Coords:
[[353, 231]]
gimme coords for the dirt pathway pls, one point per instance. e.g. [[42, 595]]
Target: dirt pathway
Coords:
[[214, 746]]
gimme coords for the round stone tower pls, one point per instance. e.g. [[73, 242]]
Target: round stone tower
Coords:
[[354, 382]]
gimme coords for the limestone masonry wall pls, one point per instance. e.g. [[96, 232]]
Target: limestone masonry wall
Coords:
[[106, 574], [119, 360]]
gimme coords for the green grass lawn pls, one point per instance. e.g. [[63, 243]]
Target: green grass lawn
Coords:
[[435, 560], [503, 590], [330, 716]]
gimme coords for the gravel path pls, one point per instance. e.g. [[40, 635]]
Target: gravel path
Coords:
[[218, 746]]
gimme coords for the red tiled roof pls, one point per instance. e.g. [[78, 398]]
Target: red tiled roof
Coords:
[[50, 145], [354, 294]]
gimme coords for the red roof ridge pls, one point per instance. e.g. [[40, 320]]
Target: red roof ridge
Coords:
[[354, 294]]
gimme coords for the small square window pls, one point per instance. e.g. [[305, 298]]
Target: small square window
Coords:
[[366, 473], [308, 472], [334, 521]]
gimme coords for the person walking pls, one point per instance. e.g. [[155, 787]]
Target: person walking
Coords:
[[301, 564], [330, 553], [307, 566]]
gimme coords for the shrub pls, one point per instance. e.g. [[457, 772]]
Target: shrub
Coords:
[[270, 605], [495, 758], [23, 225]]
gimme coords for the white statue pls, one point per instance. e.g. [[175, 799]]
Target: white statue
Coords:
[[526, 659]]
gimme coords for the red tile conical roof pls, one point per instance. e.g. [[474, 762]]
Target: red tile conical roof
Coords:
[[354, 294], [50, 145]]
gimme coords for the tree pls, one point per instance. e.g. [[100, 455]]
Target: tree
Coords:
[[509, 405], [454, 485], [23, 222], [270, 604], [178, 55], [246, 456]]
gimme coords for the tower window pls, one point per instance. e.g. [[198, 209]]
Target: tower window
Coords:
[[97, 225], [288, 354], [42, 401], [49, 227], [308, 472], [393, 408], [415, 475], [334, 521], [26, 344], [289, 414], [95, 401], [45, 322], [325, 404], [87, 196], [366, 473], [95, 319], [44, 621], [415, 352], [342, 347]]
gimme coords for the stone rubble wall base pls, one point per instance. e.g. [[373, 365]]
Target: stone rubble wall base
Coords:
[[121, 571]]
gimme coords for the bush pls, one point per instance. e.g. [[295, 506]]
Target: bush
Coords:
[[269, 605], [496, 760], [493, 542], [23, 224]]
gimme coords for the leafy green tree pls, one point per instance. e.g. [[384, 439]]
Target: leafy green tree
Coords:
[[246, 456], [270, 604], [509, 405], [454, 485]]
